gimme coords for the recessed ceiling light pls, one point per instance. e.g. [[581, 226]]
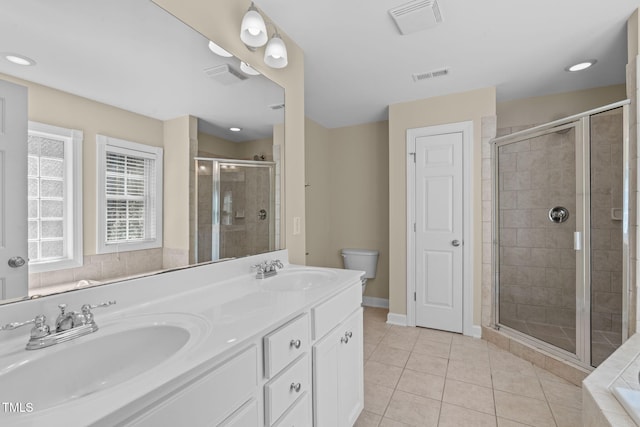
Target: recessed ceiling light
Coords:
[[19, 59], [234, 129], [218, 50], [581, 65]]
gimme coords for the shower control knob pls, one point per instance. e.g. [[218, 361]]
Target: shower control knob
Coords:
[[455, 243]]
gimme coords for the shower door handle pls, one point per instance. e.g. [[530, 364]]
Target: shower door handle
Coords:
[[455, 243], [577, 240]]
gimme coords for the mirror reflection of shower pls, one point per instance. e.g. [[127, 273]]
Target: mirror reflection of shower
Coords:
[[235, 208]]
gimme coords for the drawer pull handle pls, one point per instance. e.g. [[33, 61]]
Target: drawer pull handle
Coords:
[[296, 387], [295, 343], [344, 339]]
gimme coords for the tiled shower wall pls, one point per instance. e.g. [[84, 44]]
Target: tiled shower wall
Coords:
[[606, 226]]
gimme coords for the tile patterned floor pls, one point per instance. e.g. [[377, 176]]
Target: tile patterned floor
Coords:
[[424, 377]]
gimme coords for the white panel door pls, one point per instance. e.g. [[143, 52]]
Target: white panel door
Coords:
[[14, 281], [439, 221]]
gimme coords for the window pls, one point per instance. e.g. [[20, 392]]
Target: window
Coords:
[[129, 195], [54, 197]]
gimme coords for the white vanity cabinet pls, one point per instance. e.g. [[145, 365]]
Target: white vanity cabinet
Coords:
[[225, 395], [338, 388], [307, 371]]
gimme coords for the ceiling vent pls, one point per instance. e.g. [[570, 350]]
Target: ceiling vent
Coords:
[[416, 15], [225, 74], [418, 77], [276, 106]]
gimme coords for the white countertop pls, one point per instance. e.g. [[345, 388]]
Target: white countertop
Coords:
[[231, 311]]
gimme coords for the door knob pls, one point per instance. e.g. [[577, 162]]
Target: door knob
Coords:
[[455, 243], [16, 262]]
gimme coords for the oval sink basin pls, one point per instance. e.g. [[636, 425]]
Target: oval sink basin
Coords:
[[110, 356], [298, 280]]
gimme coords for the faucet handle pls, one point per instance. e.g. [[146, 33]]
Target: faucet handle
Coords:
[[87, 316], [262, 267], [39, 330], [86, 308]]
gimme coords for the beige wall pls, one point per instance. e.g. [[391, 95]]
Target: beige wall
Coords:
[[54, 107], [219, 20], [318, 201], [544, 109], [348, 196], [176, 179], [467, 106], [212, 146]]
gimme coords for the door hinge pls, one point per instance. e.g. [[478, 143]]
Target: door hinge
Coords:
[[414, 296], [414, 156]]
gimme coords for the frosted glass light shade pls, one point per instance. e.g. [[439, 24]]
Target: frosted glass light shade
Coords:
[[248, 69], [275, 55], [218, 50], [253, 31]]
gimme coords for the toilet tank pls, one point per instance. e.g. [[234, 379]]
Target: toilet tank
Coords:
[[361, 259]]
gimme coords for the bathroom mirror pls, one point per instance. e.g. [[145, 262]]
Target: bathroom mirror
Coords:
[[129, 71]]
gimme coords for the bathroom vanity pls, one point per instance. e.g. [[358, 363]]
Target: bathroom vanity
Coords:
[[211, 345]]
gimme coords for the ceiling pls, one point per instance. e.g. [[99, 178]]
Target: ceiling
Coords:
[[357, 62], [133, 55]]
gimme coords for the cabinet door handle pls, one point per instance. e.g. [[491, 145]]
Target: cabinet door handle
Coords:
[[295, 343], [344, 339], [296, 387], [348, 334]]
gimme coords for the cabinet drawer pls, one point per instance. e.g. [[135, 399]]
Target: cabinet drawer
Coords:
[[282, 346], [328, 314], [285, 388], [298, 416], [212, 398], [247, 416]]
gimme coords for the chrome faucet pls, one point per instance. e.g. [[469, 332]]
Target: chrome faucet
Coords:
[[267, 268], [68, 326]]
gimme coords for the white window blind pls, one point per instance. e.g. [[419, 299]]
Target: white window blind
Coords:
[[130, 188]]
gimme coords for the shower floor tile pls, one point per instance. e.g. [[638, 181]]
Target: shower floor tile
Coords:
[[462, 389]]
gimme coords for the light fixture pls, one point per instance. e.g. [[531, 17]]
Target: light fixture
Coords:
[[581, 65], [275, 55], [218, 50], [235, 129], [248, 69], [19, 59], [253, 31]]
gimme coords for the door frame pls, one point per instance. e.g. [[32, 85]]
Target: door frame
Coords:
[[468, 279]]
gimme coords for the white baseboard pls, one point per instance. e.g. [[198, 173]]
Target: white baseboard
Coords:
[[397, 319], [476, 331], [375, 302]]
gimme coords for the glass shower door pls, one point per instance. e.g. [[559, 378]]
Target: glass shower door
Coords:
[[539, 209]]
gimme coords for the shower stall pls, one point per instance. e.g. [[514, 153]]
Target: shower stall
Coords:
[[235, 208], [560, 234]]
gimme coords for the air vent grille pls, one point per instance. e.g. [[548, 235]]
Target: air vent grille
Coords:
[[225, 74], [416, 15], [417, 77]]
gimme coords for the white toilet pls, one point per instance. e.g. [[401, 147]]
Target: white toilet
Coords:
[[361, 259]]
